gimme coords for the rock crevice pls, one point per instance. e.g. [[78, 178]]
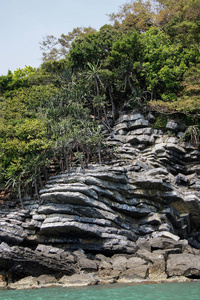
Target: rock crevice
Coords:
[[149, 195]]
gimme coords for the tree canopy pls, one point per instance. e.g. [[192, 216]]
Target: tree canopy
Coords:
[[149, 57]]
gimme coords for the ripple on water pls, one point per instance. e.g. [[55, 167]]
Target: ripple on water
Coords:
[[165, 291]]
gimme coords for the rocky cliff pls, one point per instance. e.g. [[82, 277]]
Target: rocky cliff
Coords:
[[136, 217]]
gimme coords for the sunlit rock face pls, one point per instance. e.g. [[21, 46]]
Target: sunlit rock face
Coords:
[[153, 186], [151, 191]]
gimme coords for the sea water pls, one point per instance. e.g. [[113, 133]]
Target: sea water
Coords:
[[165, 291]]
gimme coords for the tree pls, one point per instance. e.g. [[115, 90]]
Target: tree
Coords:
[[57, 48], [163, 66], [180, 19], [5, 82], [24, 152], [134, 15], [92, 48], [124, 59]]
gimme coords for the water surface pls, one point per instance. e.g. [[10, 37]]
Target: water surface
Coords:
[[169, 291]]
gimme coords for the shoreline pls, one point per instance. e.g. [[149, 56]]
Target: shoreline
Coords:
[[35, 283], [172, 261]]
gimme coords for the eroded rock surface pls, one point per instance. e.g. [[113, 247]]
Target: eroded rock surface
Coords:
[[148, 198]]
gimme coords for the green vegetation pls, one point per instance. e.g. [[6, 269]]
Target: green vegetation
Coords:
[[149, 57]]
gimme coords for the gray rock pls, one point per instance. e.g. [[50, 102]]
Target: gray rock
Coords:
[[193, 242], [157, 172], [119, 263], [44, 280], [130, 117], [159, 148], [172, 125], [131, 275], [157, 270], [191, 204], [175, 147], [11, 232], [72, 187], [121, 126], [137, 268], [87, 265], [24, 283], [101, 258], [183, 265], [139, 139], [26, 262], [149, 257], [48, 250], [105, 265], [166, 234], [141, 131], [167, 243], [152, 219], [140, 123], [151, 117], [79, 280], [182, 180], [134, 262]]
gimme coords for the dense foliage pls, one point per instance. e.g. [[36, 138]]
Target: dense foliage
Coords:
[[149, 57]]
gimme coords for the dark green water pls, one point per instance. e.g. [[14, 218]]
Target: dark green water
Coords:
[[169, 291]]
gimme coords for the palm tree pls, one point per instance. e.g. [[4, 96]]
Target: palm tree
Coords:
[[94, 76]]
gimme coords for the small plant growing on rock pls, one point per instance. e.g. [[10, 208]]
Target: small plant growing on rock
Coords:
[[192, 134]]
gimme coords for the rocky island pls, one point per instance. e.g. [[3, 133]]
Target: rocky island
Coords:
[[133, 219]]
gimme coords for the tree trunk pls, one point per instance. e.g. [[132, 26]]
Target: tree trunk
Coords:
[[131, 86], [46, 173], [113, 105], [105, 113], [36, 189], [87, 154], [67, 160], [82, 164], [20, 195], [99, 154], [40, 181], [64, 159]]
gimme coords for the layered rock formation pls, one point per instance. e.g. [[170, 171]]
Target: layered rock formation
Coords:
[[147, 198]]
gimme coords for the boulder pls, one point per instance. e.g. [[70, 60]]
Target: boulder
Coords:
[[109, 273], [183, 265], [23, 261], [119, 263], [87, 265], [137, 268], [157, 270], [166, 234], [79, 280], [172, 125], [135, 262], [167, 243], [156, 264], [24, 283], [46, 280]]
